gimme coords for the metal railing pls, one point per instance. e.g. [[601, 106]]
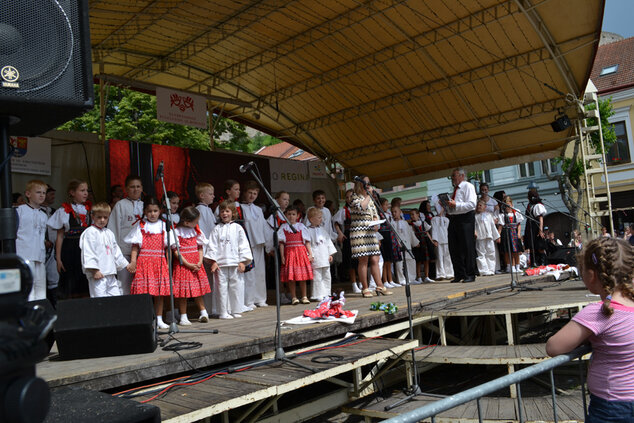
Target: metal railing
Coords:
[[475, 393]]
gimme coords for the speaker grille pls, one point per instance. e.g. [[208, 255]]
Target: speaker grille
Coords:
[[37, 39]]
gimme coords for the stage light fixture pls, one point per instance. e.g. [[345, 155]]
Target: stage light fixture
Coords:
[[561, 123]]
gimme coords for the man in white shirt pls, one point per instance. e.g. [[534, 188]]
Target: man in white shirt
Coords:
[[461, 214]]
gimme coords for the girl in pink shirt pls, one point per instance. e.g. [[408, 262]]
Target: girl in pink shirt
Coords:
[[607, 269]]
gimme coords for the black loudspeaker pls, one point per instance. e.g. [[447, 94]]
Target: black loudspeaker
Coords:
[[107, 326], [561, 123], [45, 63]]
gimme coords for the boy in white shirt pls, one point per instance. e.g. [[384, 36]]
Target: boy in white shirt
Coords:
[[407, 235], [126, 215], [258, 232], [31, 234], [440, 238], [322, 248], [229, 253], [486, 235], [319, 200], [101, 256]]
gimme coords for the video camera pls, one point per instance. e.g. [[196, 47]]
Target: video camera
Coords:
[[24, 398]]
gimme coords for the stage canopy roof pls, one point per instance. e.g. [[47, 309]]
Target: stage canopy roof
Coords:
[[398, 90]]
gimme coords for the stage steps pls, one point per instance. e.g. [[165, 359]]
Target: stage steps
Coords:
[[260, 387]]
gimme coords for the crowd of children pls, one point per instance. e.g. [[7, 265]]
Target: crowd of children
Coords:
[[220, 250]]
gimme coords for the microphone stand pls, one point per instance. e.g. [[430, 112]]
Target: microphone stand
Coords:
[[168, 228], [280, 355], [507, 228], [415, 389]]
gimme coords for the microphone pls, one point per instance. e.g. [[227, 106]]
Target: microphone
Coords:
[[246, 167], [159, 171]]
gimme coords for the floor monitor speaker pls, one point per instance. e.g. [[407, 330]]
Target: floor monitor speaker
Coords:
[[45, 63], [107, 326]]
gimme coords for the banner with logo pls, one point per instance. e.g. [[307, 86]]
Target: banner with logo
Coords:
[[289, 175], [317, 169], [181, 108], [31, 155]]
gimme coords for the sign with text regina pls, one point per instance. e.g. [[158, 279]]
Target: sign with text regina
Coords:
[[289, 175]]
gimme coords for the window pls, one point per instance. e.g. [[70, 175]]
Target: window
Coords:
[[551, 166], [619, 153], [527, 170], [298, 153], [608, 70]]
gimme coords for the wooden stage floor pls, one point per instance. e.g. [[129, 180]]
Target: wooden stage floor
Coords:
[[252, 336]]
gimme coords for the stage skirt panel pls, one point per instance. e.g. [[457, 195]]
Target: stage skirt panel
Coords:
[[189, 284]]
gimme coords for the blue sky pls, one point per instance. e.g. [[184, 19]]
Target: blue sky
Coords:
[[619, 17]]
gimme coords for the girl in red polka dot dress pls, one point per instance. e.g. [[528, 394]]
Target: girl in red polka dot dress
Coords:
[[190, 278], [296, 256], [147, 261]]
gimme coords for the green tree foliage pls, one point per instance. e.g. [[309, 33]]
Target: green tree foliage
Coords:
[[131, 115]]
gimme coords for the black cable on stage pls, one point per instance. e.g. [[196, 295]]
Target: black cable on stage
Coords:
[[201, 376]]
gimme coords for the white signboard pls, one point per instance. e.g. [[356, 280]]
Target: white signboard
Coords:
[[31, 155], [181, 108], [289, 175], [317, 169]]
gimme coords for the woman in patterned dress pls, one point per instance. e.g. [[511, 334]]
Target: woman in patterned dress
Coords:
[[363, 240]]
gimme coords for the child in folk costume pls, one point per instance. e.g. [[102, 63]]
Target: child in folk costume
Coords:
[[205, 194], [342, 221], [322, 248], [406, 233], [283, 200], [229, 253], [126, 214], [172, 208], [52, 276], [440, 238], [147, 262], [422, 230], [511, 235], [258, 232], [390, 251], [296, 256], [31, 236], [319, 201], [274, 222], [486, 236], [232, 193], [101, 256], [190, 278], [70, 221], [426, 215]]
